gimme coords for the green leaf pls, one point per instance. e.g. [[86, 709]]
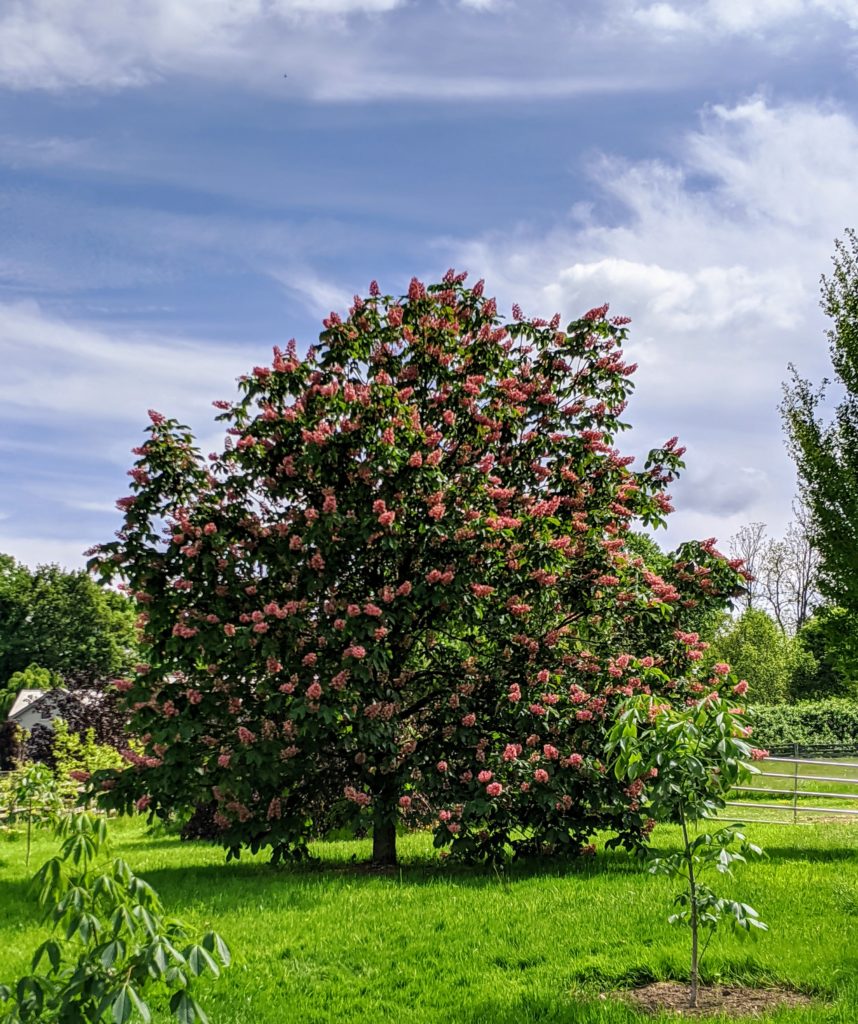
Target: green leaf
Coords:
[[146, 919], [120, 1008], [199, 959], [139, 1004], [214, 943], [112, 952], [50, 949], [183, 1007]]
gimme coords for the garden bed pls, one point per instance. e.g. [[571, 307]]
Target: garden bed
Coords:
[[732, 1000]]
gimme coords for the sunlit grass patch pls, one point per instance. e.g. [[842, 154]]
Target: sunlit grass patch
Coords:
[[429, 943]]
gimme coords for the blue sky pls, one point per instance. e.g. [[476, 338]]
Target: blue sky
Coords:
[[171, 206]]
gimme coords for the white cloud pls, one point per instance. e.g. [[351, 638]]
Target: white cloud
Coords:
[[663, 17], [21, 151], [742, 17], [120, 43], [342, 50], [716, 255], [480, 5], [88, 505]]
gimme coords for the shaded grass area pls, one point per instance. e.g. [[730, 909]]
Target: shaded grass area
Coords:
[[429, 943]]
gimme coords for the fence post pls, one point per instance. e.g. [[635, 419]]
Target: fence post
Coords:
[[795, 752]]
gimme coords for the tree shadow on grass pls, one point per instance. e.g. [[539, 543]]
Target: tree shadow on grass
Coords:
[[413, 872], [19, 902]]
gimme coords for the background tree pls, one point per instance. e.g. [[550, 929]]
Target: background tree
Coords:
[[748, 544], [63, 622], [785, 571], [759, 651], [405, 582], [33, 677], [789, 571], [826, 454], [15, 589], [829, 645]]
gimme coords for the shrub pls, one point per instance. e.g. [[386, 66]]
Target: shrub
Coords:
[[76, 756], [834, 721]]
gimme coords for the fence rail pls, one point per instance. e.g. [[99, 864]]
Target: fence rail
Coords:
[[796, 786]]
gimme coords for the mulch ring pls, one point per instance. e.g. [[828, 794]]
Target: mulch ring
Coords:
[[733, 1000]]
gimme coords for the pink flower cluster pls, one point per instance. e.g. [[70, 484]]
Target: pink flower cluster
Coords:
[[357, 797]]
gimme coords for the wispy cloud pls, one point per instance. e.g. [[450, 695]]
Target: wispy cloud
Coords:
[[50, 151], [57, 369], [317, 295]]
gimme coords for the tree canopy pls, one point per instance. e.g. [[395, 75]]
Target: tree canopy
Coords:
[[759, 651], [63, 622], [826, 453], [829, 642], [403, 586]]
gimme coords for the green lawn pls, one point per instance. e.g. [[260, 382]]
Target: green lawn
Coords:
[[429, 944]]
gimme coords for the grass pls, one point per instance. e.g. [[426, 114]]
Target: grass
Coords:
[[334, 942]]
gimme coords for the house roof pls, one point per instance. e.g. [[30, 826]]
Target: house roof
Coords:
[[24, 700], [27, 698]]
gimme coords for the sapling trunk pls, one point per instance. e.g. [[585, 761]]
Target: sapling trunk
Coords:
[[692, 891], [29, 829]]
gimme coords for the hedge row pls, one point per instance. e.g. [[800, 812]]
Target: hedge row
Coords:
[[834, 720]]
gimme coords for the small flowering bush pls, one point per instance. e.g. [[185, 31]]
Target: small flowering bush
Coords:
[[681, 763], [403, 588]]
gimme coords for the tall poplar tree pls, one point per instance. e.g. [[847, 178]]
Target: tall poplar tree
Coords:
[[826, 451]]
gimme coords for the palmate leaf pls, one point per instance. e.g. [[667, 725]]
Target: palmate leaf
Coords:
[[111, 952], [50, 880], [51, 949], [199, 960], [124, 1003], [120, 1007], [121, 918], [215, 944], [186, 1009]]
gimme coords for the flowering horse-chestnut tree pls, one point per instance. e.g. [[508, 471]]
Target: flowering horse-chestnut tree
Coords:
[[403, 587]]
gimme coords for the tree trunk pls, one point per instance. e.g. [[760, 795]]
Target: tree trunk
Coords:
[[384, 836]]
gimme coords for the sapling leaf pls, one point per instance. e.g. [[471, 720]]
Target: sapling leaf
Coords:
[[199, 959], [50, 949], [214, 943], [139, 1004], [120, 1007], [111, 952]]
